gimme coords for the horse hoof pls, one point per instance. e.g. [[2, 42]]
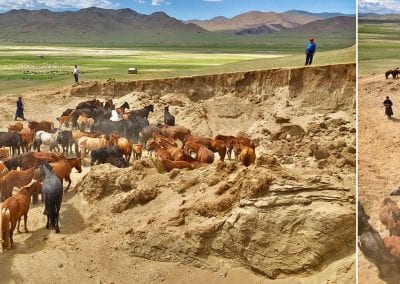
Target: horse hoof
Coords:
[[47, 226], [57, 230]]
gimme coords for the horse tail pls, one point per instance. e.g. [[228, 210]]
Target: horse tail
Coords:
[[5, 228]]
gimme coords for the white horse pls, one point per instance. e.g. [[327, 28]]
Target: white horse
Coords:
[[46, 138]]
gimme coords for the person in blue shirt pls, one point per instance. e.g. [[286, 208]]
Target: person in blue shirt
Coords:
[[310, 50], [20, 109]]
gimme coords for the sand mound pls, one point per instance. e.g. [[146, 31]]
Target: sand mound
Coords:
[[291, 214]]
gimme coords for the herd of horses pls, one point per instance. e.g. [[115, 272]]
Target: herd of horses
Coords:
[[384, 253], [395, 73], [85, 130]]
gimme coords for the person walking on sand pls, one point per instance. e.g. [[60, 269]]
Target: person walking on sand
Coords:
[[310, 50], [388, 107], [20, 109], [76, 73]]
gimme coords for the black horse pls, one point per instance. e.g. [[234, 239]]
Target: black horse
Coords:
[[101, 155], [169, 119], [52, 189], [12, 140], [143, 112]]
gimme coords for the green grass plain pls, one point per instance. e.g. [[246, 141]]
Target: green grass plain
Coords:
[[378, 46], [21, 69]]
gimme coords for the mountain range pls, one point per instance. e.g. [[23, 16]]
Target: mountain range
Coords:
[[125, 26], [256, 22]]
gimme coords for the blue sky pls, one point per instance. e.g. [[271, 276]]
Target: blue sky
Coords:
[[379, 6], [189, 9]]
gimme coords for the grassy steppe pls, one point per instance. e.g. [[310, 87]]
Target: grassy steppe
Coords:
[[22, 69], [378, 47]]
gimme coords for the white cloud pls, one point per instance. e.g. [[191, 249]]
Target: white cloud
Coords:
[[156, 2], [56, 4], [379, 6]]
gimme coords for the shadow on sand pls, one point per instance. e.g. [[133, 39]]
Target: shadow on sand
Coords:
[[71, 222]]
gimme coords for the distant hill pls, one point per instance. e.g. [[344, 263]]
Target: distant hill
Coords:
[[332, 27], [320, 15], [91, 24], [254, 20], [372, 17]]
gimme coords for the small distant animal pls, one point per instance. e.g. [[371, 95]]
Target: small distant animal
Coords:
[[169, 119], [395, 73], [137, 151]]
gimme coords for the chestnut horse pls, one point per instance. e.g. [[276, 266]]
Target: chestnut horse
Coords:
[[13, 209], [63, 169]]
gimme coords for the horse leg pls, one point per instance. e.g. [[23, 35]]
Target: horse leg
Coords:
[[68, 179], [25, 220], [56, 219], [48, 222], [11, 234], [18, 222], [35, 198]]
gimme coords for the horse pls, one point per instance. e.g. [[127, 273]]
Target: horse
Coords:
[[12, 140], [203, 154], [13, 209], [13, 179], [27, 136], [85, 122], [89, 143], [144, 112], [42, 125], [52, 189], [66, 140], [50, 139], [24, 161], [16, 127], [169, 119], [63, 169], [124, 146]]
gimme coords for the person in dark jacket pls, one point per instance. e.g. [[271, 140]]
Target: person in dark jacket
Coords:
[[388, 107], [310, 50], [20, 109]]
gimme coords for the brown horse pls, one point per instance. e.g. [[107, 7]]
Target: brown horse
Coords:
[[48, 156], [203, 154], [13, 209], [13, 179], [137, 151], [162, 153], [15, 127], [42, 125], [177, 154], [245, 154], [170, 165], [63, 168]]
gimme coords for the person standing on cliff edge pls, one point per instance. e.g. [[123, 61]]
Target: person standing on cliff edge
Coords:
[[310, 50], [76, 73]]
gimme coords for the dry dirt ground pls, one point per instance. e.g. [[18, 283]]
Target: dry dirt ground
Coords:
[[379, 139], [290, 218]]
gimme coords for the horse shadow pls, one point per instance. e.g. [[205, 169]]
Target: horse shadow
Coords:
[[71, 222], [395, 120]]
